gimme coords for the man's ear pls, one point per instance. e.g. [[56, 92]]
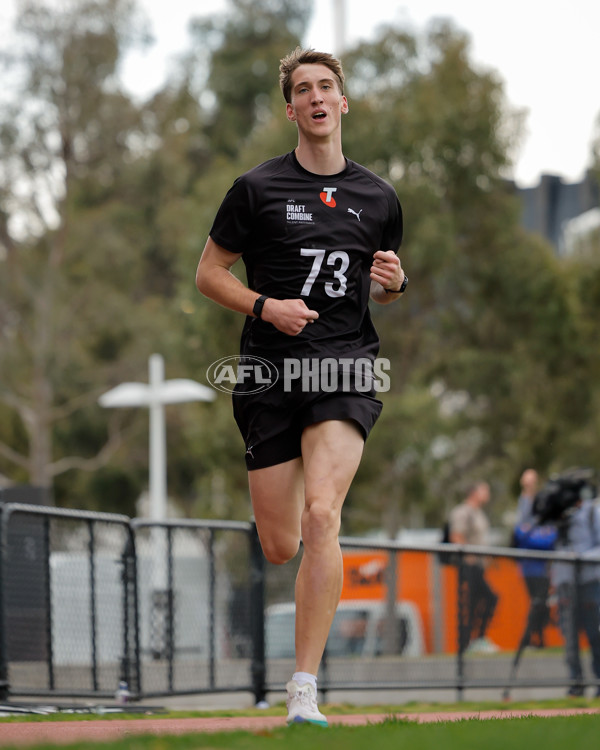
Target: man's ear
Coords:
[[345, 106], [289, 111]]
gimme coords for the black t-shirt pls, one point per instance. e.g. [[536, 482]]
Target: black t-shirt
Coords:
[[311, 237]]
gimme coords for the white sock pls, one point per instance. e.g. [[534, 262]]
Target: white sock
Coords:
[[305, 678]]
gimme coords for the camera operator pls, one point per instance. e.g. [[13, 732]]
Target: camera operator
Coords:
[[578, 585], [528, 534]]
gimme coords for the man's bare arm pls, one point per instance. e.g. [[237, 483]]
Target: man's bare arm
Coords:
[[215, 280], [386, 273]]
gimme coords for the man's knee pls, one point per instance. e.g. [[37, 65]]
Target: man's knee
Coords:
[[280, 550], [321, 521]]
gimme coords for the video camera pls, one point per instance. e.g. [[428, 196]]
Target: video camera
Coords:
[[556, 500]]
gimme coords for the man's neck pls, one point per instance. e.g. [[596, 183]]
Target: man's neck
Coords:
[[321, 158]]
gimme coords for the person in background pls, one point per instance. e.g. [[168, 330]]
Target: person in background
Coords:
[[528, 534], [477, 602], [578, 588], [529, 486]]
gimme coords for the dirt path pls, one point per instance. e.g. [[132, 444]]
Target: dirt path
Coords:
[[65, 732]]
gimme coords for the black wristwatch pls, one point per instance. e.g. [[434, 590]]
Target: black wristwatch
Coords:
[[258, 305], [402, 287]]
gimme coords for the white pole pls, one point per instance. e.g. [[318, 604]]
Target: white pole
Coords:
[[158, 482], [158, 441], [155, 395], [339, 27]]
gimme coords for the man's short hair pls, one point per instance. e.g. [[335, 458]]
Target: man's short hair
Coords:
[[302, 56], [474, 487]]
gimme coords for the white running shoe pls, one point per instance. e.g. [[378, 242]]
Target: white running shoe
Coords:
[[302, 705], [482, 646]]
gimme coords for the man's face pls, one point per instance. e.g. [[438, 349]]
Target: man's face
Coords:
[[483, 494], [316, 103], [529, 481]]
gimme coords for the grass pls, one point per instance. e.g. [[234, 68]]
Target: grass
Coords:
[[516, 734]]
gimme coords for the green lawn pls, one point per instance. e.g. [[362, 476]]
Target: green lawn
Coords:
[[517, 734]]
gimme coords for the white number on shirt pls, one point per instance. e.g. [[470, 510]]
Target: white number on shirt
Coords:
[[336, 257], [338, 273]]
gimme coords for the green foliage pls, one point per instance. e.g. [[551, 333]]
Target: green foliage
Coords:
[[493, 350], [247, 45], [490, 320]]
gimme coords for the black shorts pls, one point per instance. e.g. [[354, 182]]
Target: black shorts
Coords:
[[273, 431]]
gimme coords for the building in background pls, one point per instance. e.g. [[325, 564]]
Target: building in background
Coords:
[[564, 213]]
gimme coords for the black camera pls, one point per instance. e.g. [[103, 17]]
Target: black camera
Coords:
[[556, 500]]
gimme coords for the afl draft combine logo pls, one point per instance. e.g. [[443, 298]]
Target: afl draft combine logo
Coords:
[[255, 373], [327, 197]]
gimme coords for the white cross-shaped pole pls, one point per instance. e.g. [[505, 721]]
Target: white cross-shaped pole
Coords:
[[155, 396]]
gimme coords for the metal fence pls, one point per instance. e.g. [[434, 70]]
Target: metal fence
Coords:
[[431, 606], [200, 619], [92, 601], [67, 601]]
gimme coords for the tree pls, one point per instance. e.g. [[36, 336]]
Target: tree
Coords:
[[102, 274], [65, 138], [246, 46], [198, 161], [479, 382], [488, 335], [425, 118], [105, 205]]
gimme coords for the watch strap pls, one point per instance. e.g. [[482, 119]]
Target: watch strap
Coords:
[[258, 305], [402, 287]]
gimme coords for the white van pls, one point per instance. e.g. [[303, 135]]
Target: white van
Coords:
[[358, 630]]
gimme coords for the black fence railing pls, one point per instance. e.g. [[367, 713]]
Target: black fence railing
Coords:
[[67, 601], [99, 605], [201, 612]]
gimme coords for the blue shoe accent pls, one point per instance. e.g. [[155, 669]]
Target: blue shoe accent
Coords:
[[300, 720]]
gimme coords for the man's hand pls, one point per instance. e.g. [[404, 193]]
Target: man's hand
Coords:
[[289, 316], [386, 269]]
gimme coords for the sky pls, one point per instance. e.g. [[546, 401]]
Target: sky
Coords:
[[547, 53]]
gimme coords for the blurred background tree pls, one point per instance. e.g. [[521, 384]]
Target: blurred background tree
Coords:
[[69, 234], [105, 205]]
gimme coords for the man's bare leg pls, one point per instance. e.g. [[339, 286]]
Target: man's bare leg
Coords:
[[331, 452], [277, 494], [303, 498]]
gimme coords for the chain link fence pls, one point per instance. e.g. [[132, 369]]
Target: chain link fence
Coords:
[[91, 601], [197, 609], [66, 617]]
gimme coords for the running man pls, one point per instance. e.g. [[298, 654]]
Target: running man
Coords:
[[318, 235]]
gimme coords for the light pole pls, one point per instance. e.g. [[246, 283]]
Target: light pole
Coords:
[[155, 395], [339, 27]]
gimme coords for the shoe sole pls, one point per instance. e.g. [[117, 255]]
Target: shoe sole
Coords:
[[301, 720]]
